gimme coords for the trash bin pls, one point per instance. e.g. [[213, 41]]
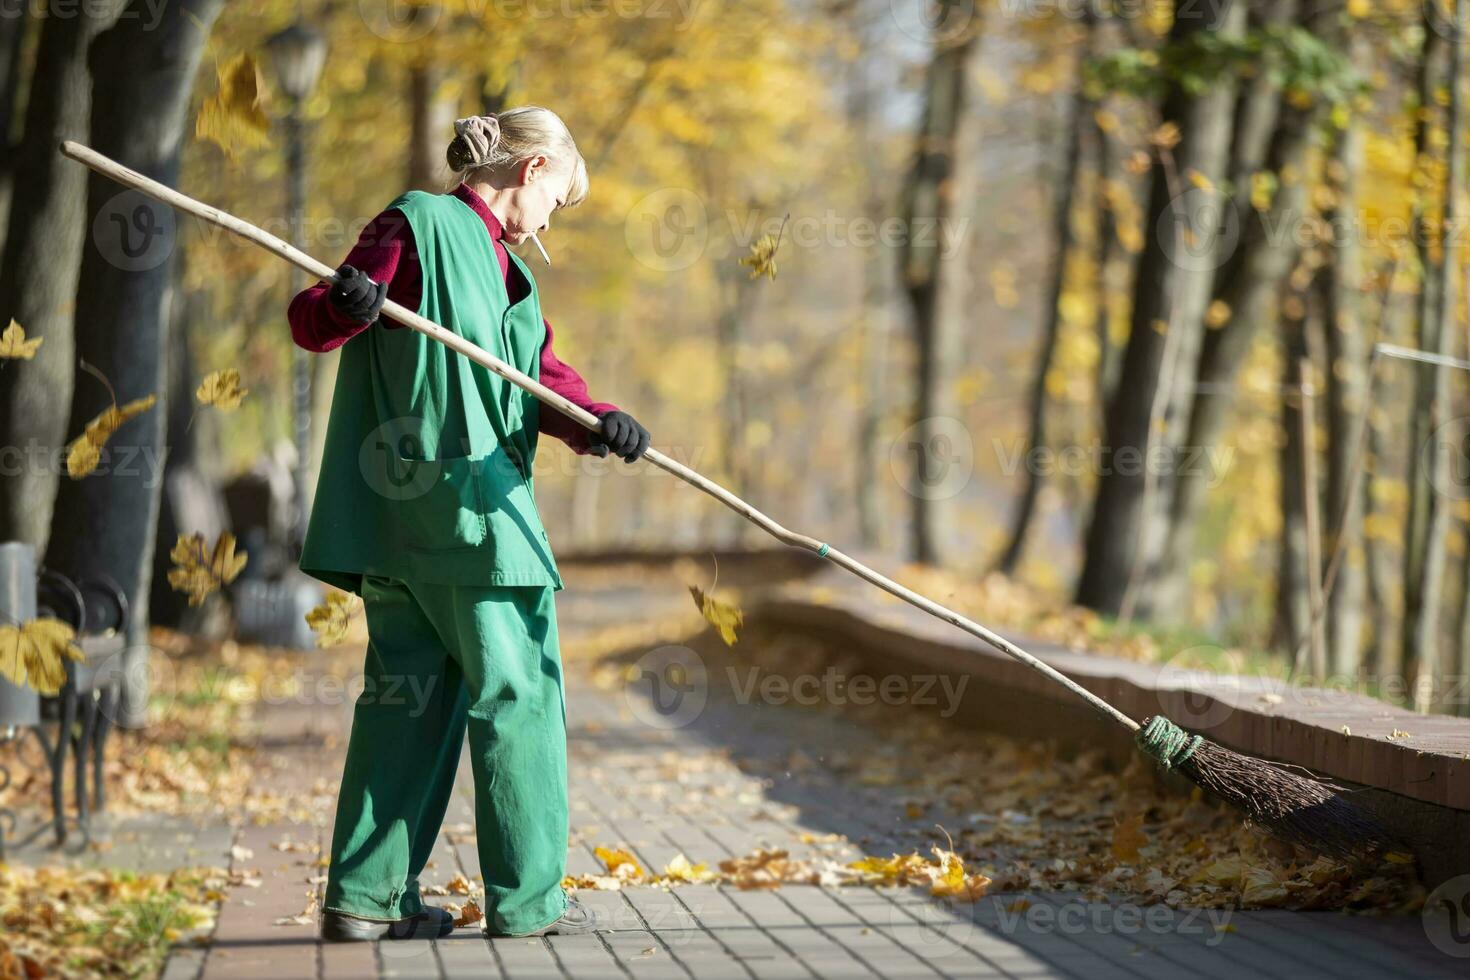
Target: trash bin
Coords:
[[19, 706]]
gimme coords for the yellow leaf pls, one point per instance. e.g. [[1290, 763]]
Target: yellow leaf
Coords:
[[681, 870], [721, 615], [1201, 181], [199, 571], [1128, 837], [1217, 315], [233, 115], [762, 257], [619, 862], [35, 653], [221, 389], [954, 882], [329, 620], [86, 449], [13, 343]]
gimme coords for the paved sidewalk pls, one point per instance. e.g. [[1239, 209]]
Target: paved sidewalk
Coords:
[[715, 789]]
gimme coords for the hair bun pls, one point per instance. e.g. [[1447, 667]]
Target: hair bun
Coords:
[[475, 139]]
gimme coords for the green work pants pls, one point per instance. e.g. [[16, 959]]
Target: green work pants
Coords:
[[440, 659]]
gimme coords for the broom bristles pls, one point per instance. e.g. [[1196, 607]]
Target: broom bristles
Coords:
[[1294, 808]]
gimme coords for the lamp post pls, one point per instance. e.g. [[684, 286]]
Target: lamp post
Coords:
[[297, 55]]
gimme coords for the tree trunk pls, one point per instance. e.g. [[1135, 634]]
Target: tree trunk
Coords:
[[38, 279], [934, 194], [872, 318], [1347, 404], [105, 523], [1424, 552], [1170, 295], [1293, 604], [1078, 117], [12, 44], [1247, 283], [431, 128]]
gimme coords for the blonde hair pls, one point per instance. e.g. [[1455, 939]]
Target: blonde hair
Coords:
[[524, 132]]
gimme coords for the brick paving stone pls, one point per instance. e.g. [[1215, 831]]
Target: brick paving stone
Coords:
[[621, 795]]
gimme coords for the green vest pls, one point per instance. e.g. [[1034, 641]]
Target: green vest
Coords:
[[426, 468]]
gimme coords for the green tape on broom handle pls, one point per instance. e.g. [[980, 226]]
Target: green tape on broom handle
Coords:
[[1165, 742]]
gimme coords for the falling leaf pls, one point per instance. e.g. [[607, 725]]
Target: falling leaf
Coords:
[[86, 450], [233, 116], [330, 620], [721, 615], [1165, 136], [1128, 837], [199, 571], [13, 343], [221, 389], [762, 257], [34, 653]]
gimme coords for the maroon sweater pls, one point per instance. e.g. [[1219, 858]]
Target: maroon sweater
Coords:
[[385, 252]]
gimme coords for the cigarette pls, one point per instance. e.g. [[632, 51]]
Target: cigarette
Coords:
[[540, 249]]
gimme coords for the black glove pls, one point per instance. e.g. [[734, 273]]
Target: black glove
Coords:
[[620, 433], [356, 296]]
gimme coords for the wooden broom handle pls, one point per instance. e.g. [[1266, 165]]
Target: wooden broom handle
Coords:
[[123, 175]]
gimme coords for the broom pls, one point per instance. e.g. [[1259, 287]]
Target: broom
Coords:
[[1298, 809]]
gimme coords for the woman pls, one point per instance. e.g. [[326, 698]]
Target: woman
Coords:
[[425, 507]]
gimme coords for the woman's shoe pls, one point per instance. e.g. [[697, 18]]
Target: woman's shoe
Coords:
[[578, 919], [431, 923]]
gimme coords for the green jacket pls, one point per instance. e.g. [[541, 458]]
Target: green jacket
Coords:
[[426, 469]]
